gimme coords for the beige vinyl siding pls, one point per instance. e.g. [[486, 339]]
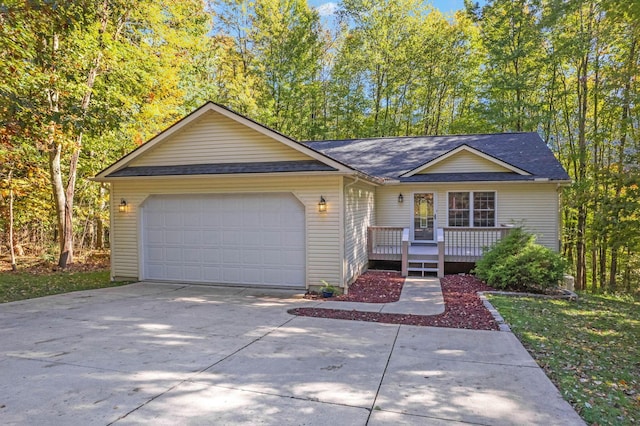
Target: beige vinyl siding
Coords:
[[359, 215], [214, 138], [532, 205], [464, 162], [323, 230]]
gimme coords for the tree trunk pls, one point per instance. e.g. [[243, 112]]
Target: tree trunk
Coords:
[[55, 172], [64, 197], [66, 242], [613, 271], [99, 224], [12, 250]]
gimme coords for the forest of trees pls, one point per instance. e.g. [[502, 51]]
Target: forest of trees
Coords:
[[83, 82]]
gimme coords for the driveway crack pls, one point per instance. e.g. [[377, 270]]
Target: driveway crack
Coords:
[[384, 373]]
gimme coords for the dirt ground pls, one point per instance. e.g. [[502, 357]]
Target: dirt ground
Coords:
[[85, 262]]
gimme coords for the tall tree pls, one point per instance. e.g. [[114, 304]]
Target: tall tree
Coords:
[[67, 48], [512, 68]]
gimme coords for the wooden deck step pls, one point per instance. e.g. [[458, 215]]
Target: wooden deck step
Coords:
[[423, 264], [422, 269]]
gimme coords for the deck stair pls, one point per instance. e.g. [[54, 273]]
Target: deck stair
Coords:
[[422, 260]]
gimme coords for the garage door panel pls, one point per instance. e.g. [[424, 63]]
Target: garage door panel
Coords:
[[231, 237], [292, 258], [211, 256], [253, 239], [255, 254], [212, 274], [173, 235], [192, 255], [271, 222], [155, 219], [270, 239], [252, 275], [155, 236], [273, 257], [289, 238], [155, 270], [211, 238], [192, 237], [155, 254], [293, 222], [174, 272], [173, 254], [231, 218], [193, 221], [193, 273], [173, 219], [232, 256], [231, 275], [210, 219], [289, 276]]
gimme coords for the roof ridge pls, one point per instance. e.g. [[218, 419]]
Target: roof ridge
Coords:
[[416, 137]]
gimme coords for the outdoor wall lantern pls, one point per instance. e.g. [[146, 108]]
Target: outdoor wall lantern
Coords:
[[400, 198], [322, 205], [122, 207]]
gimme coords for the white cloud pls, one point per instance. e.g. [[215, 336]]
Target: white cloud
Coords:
[[327, 9]]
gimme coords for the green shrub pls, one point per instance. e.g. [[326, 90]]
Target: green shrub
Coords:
[[518, 263]]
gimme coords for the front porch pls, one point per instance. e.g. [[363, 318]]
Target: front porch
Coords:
[[452, 244]]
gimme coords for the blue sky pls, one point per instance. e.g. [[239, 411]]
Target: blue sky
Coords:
[[445, 6]]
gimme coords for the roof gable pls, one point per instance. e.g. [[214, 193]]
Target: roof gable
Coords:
[[525, 156], [216, 135], [465, 159], [214, 138]]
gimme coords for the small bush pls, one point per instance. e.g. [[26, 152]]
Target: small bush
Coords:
[[518, 263]]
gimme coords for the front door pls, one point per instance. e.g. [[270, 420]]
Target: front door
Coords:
[[424, 217]]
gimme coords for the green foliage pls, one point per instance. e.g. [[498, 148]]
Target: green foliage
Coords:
[[20, 286], [518, 263], [328, 288], [588, 348], [568, 69]]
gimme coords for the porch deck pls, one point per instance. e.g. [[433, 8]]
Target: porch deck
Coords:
[[452, 245], [450, 253]]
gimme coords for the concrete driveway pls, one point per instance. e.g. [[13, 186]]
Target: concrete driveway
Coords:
[[181, 354]]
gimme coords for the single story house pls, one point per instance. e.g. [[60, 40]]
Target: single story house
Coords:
[[219, 198]]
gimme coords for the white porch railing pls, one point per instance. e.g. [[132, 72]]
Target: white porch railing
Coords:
[[405, 252], [453, 244], [469, 244], [384, 243]]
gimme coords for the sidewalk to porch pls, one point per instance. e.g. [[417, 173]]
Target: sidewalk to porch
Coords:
[[420, 296]]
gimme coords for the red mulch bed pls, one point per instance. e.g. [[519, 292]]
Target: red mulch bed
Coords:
[[370, 287], [463, 307]]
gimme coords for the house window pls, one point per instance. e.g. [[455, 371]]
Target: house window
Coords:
[[477, 209]]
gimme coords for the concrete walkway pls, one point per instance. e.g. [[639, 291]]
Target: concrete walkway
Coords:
[[182, 354], [420, 296]]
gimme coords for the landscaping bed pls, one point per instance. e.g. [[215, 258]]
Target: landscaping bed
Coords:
[[463, 307]]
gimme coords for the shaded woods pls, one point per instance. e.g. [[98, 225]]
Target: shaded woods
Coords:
[[83, 82]]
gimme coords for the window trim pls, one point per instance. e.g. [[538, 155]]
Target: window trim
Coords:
[[471, 209]]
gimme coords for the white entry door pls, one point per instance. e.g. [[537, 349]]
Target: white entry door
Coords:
[[251, 239]]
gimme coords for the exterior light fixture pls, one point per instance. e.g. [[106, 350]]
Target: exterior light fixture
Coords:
[[122, 207], [322, 205], [400, 198]]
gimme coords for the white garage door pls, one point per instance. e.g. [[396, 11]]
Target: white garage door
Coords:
[[255, 239]]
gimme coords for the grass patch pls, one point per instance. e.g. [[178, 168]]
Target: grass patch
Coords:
[[24, 285], [588, 348]]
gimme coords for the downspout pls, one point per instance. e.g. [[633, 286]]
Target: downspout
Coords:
[[344, 249]]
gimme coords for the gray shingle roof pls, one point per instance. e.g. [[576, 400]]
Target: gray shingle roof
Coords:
[[393, 156], [224, 168]]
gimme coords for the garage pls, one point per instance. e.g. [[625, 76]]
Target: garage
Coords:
[[247, 239]]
